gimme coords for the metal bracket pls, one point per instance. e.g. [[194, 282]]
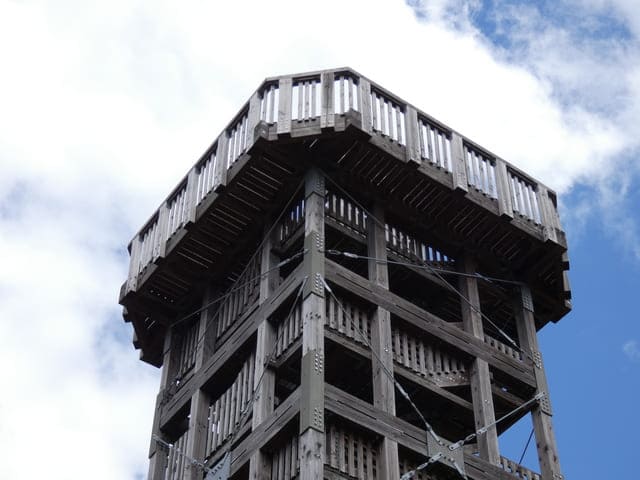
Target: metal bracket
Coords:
[[545, 403], [537, 359], [527, 300], [453, 459], [221, 470], [312, 398]]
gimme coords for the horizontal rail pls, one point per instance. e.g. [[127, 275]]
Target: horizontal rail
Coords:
[[518, 470], [281, 100]]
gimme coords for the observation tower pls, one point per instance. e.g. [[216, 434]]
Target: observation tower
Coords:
[[343, 287]]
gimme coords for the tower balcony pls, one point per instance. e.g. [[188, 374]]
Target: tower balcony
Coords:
[[435, 183]]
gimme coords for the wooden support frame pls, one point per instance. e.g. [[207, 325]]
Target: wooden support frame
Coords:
[[481, 393], [312, 438], [265, 388], [541, 413], [381, 342]]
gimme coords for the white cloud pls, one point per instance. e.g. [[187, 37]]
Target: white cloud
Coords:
[[106, 105], [632, 350]]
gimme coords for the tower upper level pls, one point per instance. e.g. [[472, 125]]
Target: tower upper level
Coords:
[[435, 184]]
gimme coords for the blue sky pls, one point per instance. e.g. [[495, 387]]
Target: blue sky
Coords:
[[105, 105]]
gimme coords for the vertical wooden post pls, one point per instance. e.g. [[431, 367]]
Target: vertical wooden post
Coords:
[[482, 398], [458, 164], [199, 409], [285, 85], [413, 156], [383, 386], [541, 412], [327, 119], [505, 204], [312, 437], [259, 466], [157, 452], [196, 442]]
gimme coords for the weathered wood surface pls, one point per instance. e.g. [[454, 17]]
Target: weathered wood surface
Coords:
[[311, 450], [228, 189], [405, 434], [481, 393], [382, 342], [428, 322], [245, 328]]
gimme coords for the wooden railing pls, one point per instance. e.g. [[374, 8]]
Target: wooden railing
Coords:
[[352, 453], [481, 172], [283, 99], [238, 139], [345, 93], [435, 144], [348, 319], [225, 412], [285, 464], [178, 211], [288, 330], [524, 197], [186, 349], [407, 465], [270, 97], [241, 295], [387, 117], [427, 360], [518, 470], [176, 461], [346, 213], [291, 222], [305, 99], [502, 347], [414, 250]]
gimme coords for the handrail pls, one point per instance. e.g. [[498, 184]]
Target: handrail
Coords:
[[288, 100]]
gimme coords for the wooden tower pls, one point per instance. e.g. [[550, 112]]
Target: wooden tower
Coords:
[[343, 287]]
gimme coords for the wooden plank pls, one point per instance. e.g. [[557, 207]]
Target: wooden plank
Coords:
[[458, 164], [505, 206], [284, 106], [413, 139], [428, 322], [327, 119], [364, 87]]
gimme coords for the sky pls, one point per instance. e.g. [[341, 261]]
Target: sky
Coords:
[[104, 106]]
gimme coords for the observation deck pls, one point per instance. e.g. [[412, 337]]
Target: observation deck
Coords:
[[434, 182]]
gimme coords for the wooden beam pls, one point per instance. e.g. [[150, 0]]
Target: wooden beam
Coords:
[[541, 412], [264, 377], [157, 452], [197, 439], [312, 437], [381, 342], [409, 436], [245, 329], [481, 394], [429, 323]]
